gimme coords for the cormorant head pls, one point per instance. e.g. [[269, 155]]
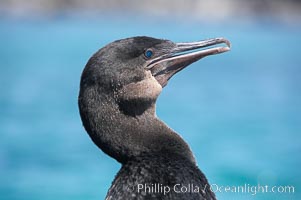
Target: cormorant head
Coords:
[[119, 87], [136, 69]]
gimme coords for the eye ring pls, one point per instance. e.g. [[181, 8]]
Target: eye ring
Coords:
[[148, 53]]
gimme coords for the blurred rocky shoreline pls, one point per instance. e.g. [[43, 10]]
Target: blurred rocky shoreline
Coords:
[[288, 11]]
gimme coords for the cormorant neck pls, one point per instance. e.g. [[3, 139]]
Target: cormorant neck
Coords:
[[125, 130]]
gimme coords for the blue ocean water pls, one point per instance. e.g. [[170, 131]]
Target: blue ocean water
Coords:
[[239, 111]]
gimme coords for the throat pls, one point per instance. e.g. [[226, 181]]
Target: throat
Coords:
[[124, 132], [136, 108]]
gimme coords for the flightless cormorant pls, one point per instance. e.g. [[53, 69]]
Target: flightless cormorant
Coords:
[[118, 92]]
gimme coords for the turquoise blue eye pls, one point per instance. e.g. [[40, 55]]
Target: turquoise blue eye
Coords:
[[148, 53]]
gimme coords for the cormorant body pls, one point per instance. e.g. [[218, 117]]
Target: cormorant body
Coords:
[[118, 92]]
